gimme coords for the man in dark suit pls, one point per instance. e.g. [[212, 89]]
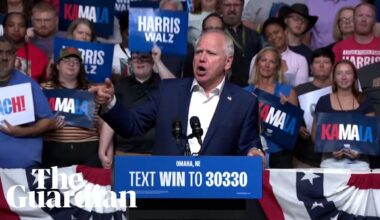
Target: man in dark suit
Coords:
[[227, 114]]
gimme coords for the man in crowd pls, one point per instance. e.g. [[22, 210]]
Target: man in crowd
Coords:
[[321, 67], [21, 146], [45, 27], [298, 23], [363, 48], [246, 41]]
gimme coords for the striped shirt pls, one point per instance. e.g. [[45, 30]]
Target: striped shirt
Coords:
[[70, 134]]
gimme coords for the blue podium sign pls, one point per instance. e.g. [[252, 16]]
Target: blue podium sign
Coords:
[[221, 177]]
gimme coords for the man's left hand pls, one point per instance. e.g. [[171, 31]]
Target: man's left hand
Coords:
[[257, 152]]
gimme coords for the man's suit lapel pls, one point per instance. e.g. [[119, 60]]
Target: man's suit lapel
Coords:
[[226, 99], [184, 103]]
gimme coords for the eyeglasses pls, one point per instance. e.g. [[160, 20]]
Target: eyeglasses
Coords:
[[232, 5], [142, 58], [298, 18], [8, 52], [73, 61], [346, 19]]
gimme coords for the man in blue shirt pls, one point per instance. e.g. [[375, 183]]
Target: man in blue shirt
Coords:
[[21, 146]]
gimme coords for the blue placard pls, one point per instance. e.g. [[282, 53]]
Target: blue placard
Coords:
[[168, 29], [190, 177], [336, 131], [100, 12], [76, 106], [279, 122], [97, 57]]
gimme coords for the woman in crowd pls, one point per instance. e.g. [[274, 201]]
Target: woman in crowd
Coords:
[[69, 145], [201, 9], [213, 21], [343, 26], [81, 29], [30, 59], [22, 6], [345, 98], [267, 77]]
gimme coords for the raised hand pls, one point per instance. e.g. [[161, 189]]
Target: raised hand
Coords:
[[104, 93]]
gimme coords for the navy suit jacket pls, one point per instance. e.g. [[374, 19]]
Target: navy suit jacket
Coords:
[[233, 129]]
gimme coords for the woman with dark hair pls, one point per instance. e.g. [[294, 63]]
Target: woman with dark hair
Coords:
[[267, 76], [213, 21], [345, 98], [31, 60], [68, 145], [22, 6]]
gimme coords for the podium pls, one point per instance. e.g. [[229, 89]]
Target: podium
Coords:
[[187, 197]]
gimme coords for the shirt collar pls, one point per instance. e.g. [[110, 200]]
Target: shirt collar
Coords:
[[195, 87]]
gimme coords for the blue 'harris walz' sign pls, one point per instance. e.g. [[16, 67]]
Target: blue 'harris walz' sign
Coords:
[[231, 177], [97, 58], [167, 29], [100, 12]]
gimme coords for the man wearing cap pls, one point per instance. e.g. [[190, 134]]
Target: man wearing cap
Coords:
[[21, 146], [298, 22]]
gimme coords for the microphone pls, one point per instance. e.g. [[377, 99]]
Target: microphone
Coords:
[[196, 127], [177, 131]]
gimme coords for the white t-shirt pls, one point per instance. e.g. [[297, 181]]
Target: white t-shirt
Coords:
[[120, 60]]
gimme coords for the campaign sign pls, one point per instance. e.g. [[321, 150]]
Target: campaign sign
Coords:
[[100, 12], [167, 29], [308, 101], [76, 106], [369, 76], [336, 131], [16, 104], [279, 122], [97, 57], [238, 177]]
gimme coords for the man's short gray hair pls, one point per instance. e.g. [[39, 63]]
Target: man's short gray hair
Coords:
[[229, 44]]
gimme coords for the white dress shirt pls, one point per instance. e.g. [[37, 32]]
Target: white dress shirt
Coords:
[[204, 108], [298, 71]]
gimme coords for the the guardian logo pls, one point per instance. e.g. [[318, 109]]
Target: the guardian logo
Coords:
[[66, 190]]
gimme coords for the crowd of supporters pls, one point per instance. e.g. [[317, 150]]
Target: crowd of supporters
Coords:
[[287, 48]]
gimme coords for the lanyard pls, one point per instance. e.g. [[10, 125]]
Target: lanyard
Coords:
[[237, 43]]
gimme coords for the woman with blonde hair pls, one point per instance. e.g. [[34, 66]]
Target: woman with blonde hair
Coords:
[[343, 25], [267, 76]]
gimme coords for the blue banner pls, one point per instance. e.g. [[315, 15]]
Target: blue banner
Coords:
[[337, 131], [189, 177], [279, 122], [97, 57], [100, 12], [167, 29], [76, 106]]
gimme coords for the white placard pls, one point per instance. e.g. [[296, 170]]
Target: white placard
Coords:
[[16, 104], [308, 101]]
